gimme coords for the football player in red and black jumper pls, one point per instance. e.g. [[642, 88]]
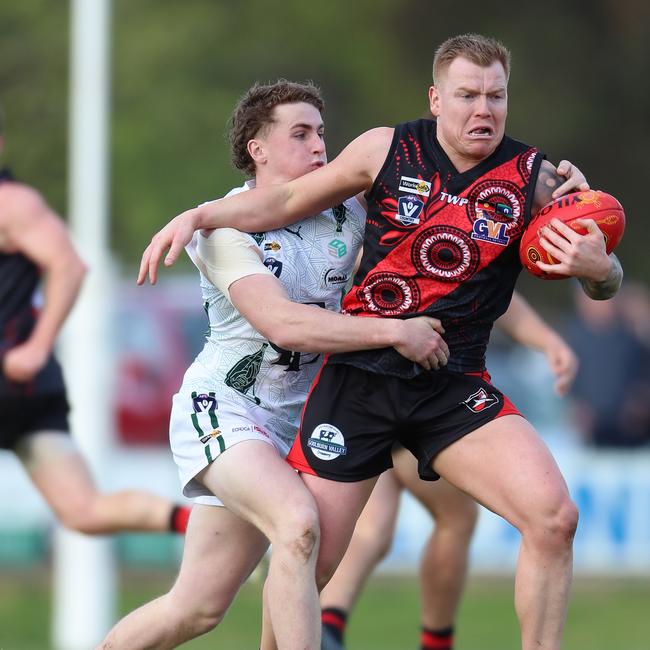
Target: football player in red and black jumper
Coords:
[[35, 246], [448, 200]]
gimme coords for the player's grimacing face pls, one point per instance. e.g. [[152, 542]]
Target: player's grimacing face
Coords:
[[470, 103], [295, 144]]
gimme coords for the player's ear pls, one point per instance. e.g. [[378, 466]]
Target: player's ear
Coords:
[[434, 101], [256, 151]]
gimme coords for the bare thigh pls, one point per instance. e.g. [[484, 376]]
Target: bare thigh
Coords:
[[256, 484], [506, 466], [339, 506], [58, 470], [221, 550], [440, 498]]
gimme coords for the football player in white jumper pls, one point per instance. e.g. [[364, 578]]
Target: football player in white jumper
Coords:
[[272, 300]]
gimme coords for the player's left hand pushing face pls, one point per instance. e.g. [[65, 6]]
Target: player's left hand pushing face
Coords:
[[421, 341], [581, 256]]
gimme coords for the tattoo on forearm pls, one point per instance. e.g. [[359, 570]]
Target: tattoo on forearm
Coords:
[[547, 182], [607, 287]]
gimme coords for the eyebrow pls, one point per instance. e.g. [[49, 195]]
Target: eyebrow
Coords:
[[304, 125], [464, 89]]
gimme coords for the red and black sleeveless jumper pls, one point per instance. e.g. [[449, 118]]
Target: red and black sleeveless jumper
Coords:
[[19, 278], [442, 243]]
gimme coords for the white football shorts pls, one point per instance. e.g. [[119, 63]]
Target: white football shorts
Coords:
[[204, 424]]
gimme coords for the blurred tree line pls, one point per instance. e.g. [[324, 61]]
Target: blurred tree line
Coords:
[[579, 89]]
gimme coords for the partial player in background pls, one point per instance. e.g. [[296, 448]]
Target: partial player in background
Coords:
[[611, 394], [443, 566], [33, 403]]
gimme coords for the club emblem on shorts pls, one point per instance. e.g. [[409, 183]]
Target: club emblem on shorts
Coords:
[[205, 407], [480, 400], [327, 442], [204, 402], [241, 377]]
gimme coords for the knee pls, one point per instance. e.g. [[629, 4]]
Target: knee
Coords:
[[372, 543], [324, 572], [463, 519], [191, 612], [82, 520], [298, 534], [556, 528], [204, 619]]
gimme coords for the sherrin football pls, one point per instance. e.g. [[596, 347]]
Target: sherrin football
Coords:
[[603, 208]]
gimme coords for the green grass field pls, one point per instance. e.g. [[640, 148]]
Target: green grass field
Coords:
[[605, 614]]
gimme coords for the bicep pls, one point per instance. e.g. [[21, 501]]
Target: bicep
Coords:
[[351, 173], [261, 300], [548, 180]]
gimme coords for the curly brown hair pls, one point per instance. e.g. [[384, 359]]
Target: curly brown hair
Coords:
[[254, 114], [481, 50]]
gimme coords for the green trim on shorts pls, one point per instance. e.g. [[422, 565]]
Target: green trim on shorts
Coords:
[[215, 426]]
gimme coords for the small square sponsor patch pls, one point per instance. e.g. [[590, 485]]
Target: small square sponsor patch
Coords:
[[414, 186], [337, 248]]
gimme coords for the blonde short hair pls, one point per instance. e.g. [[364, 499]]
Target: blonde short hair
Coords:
[[481, 50]]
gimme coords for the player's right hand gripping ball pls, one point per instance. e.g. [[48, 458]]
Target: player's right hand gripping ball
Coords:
[[603, 208]]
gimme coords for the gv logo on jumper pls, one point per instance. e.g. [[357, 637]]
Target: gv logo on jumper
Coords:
[[491, 231]]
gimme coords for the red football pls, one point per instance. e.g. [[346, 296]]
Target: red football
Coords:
[[603, 208]]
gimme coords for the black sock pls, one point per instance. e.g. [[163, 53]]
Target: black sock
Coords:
[[437, 639], [335, 620]]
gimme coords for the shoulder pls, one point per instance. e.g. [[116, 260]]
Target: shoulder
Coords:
[[21, 206], [377, 137], [513, 146], [366, 154], [20, 199]]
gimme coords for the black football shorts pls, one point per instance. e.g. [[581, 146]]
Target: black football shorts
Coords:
[[353, 417], [25, 414]]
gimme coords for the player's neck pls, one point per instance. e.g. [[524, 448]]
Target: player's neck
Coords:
[[264, 178]]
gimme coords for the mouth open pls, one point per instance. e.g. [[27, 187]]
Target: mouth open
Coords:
[[480, 132]]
